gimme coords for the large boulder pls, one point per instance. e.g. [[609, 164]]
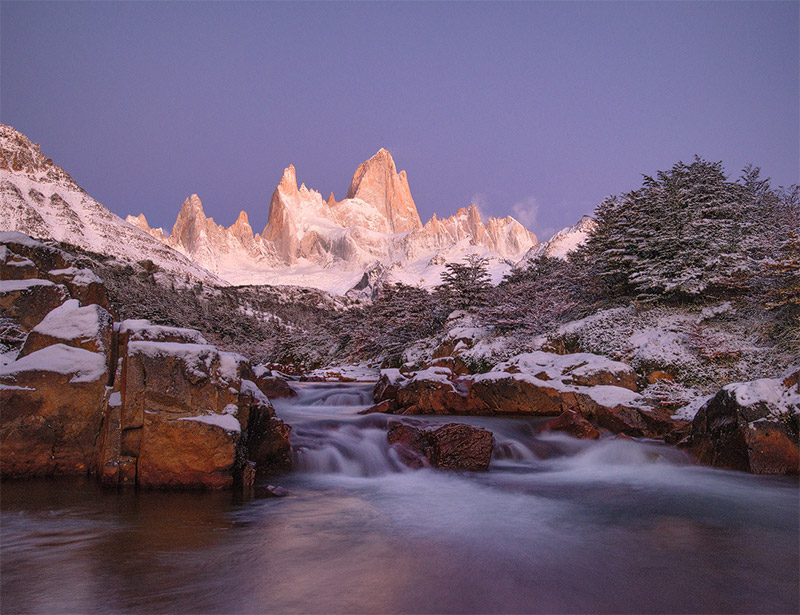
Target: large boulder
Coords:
[[52, 402], [16, 267], [749, 426], [433, 391], [88, 327], [83, 285], [189, 415], [271, 383], [454, 446], [188, 452], [179, 414], [27, 302]]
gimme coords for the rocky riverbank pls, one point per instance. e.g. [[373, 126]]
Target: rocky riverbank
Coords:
[[750, 426], [130, 402]]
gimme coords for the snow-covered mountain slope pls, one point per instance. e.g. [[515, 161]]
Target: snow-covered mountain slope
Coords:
[[562, 243], [40, 199], [328, 244]]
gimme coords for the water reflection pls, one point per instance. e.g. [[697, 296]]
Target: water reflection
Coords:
[[557, 525]]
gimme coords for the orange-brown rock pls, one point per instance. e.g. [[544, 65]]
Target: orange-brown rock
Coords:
[[27, 302], [751, 426], [388, 385], [572, 423], [180, 379], [52, 403], [579, 369], [495, 394], [659, 375], [557, 385], [88, 327], [185, 453], [83, 285], [433, 391], [46, 258], [454, 364], [793, 381], [454, 446], [16, 267], [633, 420], [387, 406]]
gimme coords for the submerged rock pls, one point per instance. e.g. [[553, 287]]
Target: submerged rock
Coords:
[[572, 423]]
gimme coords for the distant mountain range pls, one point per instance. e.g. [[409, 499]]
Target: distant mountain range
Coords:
[[374, 234]]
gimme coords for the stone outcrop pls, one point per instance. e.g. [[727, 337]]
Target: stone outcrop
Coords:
[[52, 402], [601, 391], [749, 426], [89, 327], [454, 446], [132, 402]]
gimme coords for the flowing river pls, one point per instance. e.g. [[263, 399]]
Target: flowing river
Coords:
[[557, 525]]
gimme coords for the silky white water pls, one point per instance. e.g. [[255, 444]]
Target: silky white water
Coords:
[[556, 525]]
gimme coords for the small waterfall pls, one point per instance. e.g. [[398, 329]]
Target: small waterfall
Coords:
[[350, 450], [329, 436]]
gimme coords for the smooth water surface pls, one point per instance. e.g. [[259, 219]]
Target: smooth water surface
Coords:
[[556, 525]]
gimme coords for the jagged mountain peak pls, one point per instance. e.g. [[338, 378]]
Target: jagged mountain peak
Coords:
[[288, 182], [376, 181]]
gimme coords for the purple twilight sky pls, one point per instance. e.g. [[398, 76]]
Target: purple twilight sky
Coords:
[[537, 110]]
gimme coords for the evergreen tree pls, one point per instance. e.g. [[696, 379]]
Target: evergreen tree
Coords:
[[465, 285], [685, 233]]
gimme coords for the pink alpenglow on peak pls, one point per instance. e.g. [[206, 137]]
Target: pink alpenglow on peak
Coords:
[[377, 181], [312, 241], [308, 240]]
